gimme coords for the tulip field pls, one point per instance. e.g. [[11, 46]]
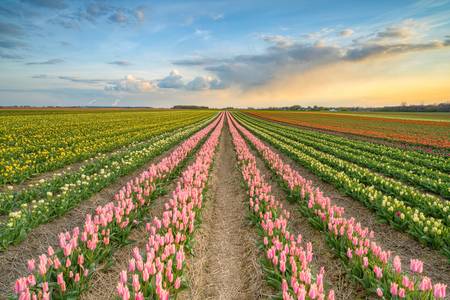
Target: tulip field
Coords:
[[209, 204]]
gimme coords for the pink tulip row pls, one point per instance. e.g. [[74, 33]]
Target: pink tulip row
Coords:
[[286, 253], [155, 272], [64, 272], [367, 259]]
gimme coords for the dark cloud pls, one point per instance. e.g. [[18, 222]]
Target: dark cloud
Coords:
[[200, 83], [199, 61], [118, 17], [53, 61], [346, 32], [79, 80], [99, 11], [11, 44], [120, 63], [39, 76], [8, 29], [247, 71], [53, 4], [10, 56], [8, 12], [173, 81]]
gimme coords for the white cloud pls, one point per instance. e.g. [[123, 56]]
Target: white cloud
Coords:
[[200, 83], [131, 84], [173, 81], [217, 17], [346, 32], [204, 34]]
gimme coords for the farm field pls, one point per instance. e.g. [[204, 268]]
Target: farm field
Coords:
[[205, 204], [429, 129]]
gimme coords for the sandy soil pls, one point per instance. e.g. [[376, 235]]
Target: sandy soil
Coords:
[[225, 262]]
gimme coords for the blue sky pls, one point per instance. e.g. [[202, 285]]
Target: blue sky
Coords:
[[220, 53]]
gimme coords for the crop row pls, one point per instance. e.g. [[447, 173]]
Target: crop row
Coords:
[[426, 178], [156, 271], [58, 197], [13, 198], [345, 176], [369, 263], [65, 272], [287, 259], [415, 158], [36, 144]]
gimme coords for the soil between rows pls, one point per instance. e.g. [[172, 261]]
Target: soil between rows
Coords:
[[436, 265], [421, 148], [225, 261], [13, 261], [335, 272]]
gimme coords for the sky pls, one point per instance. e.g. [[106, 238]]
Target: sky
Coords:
[[224, 53]]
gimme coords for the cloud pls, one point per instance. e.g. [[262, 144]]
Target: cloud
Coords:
[[92, 102], [279, 40], [118, 17], [11, 44], [96, 9], [8, 29], [199, 61], [405, 30], [346, 32], [173, 81], [217, 17], [120, 63], [39, 76], [95, 12], [200, 83], [47, 62], [115, 102], [10, 55], [53, 4], [203, 34], [80, 80], [130, 84], [140, 13], [247, 71]]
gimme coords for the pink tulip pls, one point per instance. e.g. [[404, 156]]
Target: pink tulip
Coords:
[[378, 272], [416, 266], [394, 289], [440, 290], [379, 292]]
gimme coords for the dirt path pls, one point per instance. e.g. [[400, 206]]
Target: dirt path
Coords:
[[436, 265], [225, 262], [13, 260]]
